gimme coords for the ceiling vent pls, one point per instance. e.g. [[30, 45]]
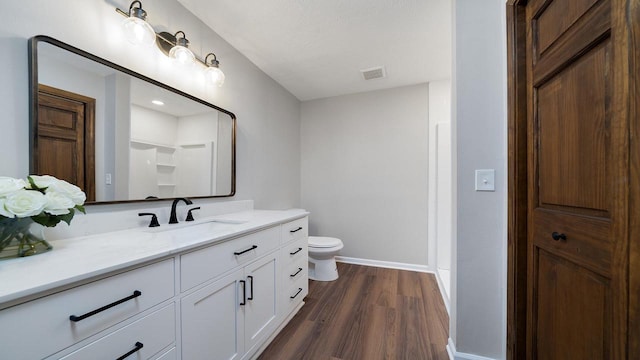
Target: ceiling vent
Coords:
[[373, 73]]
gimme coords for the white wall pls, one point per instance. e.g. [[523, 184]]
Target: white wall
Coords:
[[478, 318], [268, 116], [153, 126], [364, 172]]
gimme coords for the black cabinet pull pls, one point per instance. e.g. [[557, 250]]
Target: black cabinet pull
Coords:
[[250, 296], [139, 346], [296, 273], [244, 251], [295, 252], [558, 236], [75, 318], [298, 293], [296, 230], [244, 293]]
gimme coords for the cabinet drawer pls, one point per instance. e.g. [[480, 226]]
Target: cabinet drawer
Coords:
[[295, 230], [47, 319], [295, 251], [153, 333], [295, 294], [294, 272], [205, 264]]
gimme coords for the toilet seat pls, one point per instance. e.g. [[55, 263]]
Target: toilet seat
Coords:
[[323, 242]]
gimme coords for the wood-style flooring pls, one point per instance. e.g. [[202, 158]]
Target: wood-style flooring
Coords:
[[368, 313]]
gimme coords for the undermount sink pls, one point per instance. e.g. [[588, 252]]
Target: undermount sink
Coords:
[[206, 225]]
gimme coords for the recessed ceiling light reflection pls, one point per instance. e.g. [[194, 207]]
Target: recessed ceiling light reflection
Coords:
[[157, 102]]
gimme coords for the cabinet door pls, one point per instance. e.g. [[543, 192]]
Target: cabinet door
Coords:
[[212, 323], [260, 311]]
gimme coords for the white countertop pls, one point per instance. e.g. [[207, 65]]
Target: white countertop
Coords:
[[82, 258]]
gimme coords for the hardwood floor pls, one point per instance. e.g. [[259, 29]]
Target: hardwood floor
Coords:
[[368, 313]]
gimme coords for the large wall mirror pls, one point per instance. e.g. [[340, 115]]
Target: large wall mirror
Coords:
[[121, 136]]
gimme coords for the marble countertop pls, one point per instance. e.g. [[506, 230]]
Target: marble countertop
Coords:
[[82, 258]]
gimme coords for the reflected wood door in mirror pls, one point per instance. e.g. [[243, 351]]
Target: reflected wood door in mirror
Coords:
[[65, 137], [577, 180]]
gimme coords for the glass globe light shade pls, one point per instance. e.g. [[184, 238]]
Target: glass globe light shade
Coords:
[[214, 75], [182, 55], [138, 31]]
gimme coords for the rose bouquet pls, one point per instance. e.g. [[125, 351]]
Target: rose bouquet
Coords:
[[44, 200]]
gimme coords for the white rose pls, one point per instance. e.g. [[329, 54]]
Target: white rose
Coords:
[[57, 204], [69, 190], [25, 203], [43, 181], [9, 185], [4, 211]]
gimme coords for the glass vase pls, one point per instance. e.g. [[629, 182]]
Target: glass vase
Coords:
[[21, 237]]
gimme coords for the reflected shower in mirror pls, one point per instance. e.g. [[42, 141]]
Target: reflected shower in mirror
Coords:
[[121, 136]]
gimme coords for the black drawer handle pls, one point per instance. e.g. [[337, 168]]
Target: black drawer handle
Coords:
[[295, 252], [558, 236], [296, 273], [298, 293], [244, 293], [251, 296], [244, 251], [296, 230], [91, 313], [139, 346]]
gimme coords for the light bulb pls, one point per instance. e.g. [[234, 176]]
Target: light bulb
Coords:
[[214, 75], [138, 31], [182, 54]]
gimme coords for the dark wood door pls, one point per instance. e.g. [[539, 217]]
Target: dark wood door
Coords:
[[578, 166], [65, 138]]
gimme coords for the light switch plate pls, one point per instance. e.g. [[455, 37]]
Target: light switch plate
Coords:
[[485, 180]]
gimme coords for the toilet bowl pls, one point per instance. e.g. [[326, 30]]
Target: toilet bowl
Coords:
[[322, 261]]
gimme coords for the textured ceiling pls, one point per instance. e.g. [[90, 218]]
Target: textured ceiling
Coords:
[[316, 48]]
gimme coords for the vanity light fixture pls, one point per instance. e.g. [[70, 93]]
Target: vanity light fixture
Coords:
[[176, 46], [213, 73], [138, 31]]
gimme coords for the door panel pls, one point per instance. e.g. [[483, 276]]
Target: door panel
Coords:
[[557, 18], [65, 144], [571, 109], [261, 310], [212, 322], [61, 139], [572, 192], [563, 317]]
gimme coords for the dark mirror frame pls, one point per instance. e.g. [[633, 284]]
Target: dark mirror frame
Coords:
[[33, 109]]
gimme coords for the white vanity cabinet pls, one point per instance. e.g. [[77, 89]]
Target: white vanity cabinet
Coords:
[[225, 300], [231, 316]]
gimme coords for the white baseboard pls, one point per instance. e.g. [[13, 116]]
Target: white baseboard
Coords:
[[399, 266], [451, 349], [385, 264], [443, 293], [454, 355]]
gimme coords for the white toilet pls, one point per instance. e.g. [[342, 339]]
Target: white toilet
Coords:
[[322, 261]]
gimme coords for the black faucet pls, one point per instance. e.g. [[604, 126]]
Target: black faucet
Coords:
[[173, 219]]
